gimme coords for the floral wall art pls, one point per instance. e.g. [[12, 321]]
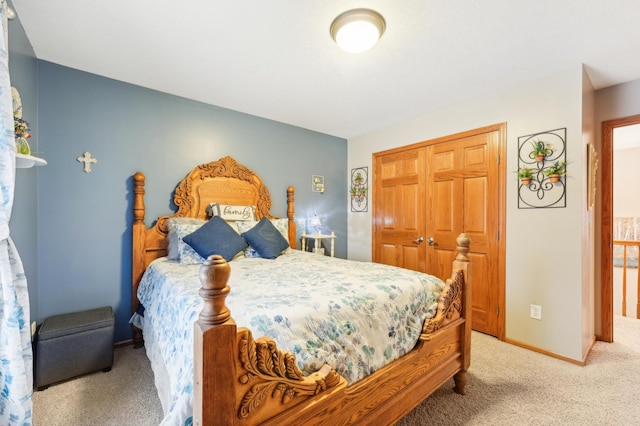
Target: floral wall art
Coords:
[[359, 189]]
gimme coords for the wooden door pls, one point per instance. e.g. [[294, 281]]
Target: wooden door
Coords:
[[398, 206], [463, 192]]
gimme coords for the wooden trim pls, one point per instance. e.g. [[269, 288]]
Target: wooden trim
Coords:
[[501, 127], [606, 224], [502, 227], [582, 362], [588, 351]]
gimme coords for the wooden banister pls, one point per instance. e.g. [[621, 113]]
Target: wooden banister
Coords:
[[625, 244]]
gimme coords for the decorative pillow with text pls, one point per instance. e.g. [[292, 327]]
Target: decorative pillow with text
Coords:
[[232, 213]]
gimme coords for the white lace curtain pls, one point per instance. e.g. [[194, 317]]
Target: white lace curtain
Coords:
[[16, 357]]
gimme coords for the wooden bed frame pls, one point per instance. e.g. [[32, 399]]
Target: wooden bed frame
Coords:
[[239, 380]]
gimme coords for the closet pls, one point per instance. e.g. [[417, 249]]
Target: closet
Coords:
[[425, 194]]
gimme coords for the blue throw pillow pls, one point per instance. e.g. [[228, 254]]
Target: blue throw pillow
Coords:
[[266, 239], [216, 237]]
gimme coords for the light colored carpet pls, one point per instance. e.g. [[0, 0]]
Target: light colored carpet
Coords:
[[507, 385], [126, 395]]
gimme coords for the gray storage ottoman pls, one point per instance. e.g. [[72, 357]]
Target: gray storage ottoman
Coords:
[[69, 345]]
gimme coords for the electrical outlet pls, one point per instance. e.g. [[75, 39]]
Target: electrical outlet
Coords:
[[536, 312]]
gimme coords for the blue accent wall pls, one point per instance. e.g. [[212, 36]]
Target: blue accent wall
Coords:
[[84, 219]]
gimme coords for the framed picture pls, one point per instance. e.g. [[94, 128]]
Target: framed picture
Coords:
[[317, 183], [359, 189]]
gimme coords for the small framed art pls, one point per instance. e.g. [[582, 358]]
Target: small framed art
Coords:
[[317, 183]]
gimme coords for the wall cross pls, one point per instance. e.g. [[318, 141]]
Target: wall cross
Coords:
[[87, 160]]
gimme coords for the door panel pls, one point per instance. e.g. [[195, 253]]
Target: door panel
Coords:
[[474, 220], [397, 214], [443, 204], [465, 187], [484, 309], [475, 156]]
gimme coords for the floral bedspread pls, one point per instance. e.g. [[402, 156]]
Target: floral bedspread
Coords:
[[354, 316]]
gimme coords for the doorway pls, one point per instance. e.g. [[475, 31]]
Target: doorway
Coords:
[[607, 219]]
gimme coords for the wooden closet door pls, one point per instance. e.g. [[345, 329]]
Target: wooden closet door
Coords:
[[398, 209], [463, 195], [435, 190]]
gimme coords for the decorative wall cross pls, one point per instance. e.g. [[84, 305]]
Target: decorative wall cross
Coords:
[[87, 160]]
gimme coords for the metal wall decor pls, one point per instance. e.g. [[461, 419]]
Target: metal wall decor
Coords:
[[359, 189], [542, 163]]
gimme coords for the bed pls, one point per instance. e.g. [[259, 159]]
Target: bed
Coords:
[[228, 376]]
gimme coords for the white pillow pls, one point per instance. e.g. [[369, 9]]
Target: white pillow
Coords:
[[180, 227]]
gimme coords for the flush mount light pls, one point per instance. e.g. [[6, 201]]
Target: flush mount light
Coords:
[[357, 30]]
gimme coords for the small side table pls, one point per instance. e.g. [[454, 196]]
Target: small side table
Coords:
[[318, 238]]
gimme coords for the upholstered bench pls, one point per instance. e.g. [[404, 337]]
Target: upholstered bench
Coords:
[[69, 345]]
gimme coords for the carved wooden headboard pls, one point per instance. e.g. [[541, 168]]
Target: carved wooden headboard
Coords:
[[223, 181]]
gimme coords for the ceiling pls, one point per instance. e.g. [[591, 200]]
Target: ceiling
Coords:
[[276, 59]]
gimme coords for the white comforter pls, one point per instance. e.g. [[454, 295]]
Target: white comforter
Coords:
[[354, 316]]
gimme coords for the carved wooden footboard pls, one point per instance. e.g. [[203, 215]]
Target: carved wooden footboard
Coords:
[[239, 380]]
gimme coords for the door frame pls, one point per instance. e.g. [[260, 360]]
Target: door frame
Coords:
[[606, 224]]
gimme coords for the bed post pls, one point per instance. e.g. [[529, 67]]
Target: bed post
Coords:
[[461, 263], [138, 256], [293, 237], [214, 348]]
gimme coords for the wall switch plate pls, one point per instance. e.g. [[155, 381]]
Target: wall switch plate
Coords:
[[33, 328], [536, 312]]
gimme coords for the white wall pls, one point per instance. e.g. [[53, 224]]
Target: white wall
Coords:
[[626, 202], [544, 246]]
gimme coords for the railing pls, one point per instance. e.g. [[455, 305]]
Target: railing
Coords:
[[625, 244]]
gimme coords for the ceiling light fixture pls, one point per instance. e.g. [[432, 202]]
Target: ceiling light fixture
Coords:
[[357, 30]]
